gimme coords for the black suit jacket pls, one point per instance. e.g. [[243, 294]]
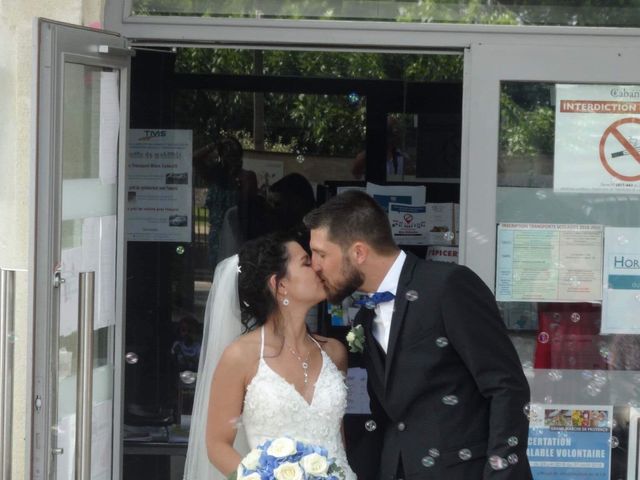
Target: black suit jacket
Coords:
[[450, 392]]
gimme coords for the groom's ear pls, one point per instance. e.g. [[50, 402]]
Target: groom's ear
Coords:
[[359, 252]]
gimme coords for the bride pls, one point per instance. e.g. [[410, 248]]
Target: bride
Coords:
[[276, 379]]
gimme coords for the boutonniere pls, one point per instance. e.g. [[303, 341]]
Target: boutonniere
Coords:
[[355, 339]]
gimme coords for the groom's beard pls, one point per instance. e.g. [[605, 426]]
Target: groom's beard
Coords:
[[352, 280]]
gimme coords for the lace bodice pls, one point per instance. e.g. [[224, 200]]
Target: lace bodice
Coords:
[[274, 408]]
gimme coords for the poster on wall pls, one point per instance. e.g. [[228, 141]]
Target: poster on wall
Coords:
[[408, 223], [597, 139], [159, 185], [621, 293], [540, 262], [407, 194], [570, 441]]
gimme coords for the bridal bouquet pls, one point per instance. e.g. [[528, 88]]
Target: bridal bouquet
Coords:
[[287, 459]]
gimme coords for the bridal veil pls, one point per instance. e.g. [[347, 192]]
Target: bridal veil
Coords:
[[221, 326]]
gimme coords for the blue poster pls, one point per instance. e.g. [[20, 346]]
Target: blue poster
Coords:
[[570, 442]]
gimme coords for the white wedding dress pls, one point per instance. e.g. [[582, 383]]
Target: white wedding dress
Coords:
[[274, 408]]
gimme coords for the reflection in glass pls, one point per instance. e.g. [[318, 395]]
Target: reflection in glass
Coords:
[[596, 13], [574, 362]]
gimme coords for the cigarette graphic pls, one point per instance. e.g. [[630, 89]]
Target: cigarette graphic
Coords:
[[633, 141]]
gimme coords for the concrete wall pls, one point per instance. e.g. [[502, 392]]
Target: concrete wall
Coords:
[[17, 103]]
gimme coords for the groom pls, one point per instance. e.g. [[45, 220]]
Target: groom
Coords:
[[446, 386]]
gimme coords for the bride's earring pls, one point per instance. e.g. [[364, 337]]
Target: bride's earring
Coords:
[[285, 301]]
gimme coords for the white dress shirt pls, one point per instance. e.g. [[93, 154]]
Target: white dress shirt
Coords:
[[384, 311]]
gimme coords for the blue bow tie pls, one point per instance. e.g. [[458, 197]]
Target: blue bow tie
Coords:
[[375, 299]]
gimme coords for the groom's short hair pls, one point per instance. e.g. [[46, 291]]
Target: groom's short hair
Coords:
[[353, 216]]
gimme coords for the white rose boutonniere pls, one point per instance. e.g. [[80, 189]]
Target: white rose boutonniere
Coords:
[[355, 339]]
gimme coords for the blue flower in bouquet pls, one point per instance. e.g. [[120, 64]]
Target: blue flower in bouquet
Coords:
[[286, 459]]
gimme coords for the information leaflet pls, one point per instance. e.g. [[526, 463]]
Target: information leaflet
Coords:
[[159, 185], [570, 441], [549, 262], [621, 295]]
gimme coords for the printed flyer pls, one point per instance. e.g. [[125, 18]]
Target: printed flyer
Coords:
[[407, 194], [621, 293], [159, 185], [570, 442], [408, 223], [549, 262]]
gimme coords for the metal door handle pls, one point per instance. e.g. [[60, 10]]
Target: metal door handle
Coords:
[[84, 392], [7, 311]]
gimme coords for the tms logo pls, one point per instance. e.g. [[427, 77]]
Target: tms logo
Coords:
[[149, 134]]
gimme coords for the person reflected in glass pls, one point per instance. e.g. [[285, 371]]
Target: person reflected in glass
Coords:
[[395, 157], [276, 378], [220, 164], [292, 198]]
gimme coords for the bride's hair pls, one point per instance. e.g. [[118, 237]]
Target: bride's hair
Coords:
[[257, 260]]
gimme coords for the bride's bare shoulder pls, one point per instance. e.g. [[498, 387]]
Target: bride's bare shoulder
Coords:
[[244, 350]]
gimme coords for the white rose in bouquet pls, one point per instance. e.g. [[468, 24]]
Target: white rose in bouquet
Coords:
[[251, 460], [315, 465], [251, 476], [288, 471], [282, 447]]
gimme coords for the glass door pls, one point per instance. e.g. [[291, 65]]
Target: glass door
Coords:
[[551, 220], [83, 81]]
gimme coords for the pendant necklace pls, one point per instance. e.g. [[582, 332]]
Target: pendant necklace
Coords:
[[304, 363]]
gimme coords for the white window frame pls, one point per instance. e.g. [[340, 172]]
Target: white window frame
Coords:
[[491, 64]]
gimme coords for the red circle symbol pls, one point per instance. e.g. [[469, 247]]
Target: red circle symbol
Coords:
[[408, 217], [628, 148]]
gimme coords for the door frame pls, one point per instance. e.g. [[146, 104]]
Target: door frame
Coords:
[[57, 43], [492, 53]]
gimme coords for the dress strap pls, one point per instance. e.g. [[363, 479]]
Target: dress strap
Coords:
[[262, 343], [315, 341]]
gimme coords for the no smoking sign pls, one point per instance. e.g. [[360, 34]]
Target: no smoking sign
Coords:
[[620, 149]]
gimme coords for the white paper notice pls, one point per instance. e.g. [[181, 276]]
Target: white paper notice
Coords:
[[549, 262], [597, 139], [621, 295], [101, 430], [442, 223], [159, 179], [99, 256], [66, 440], [408, 223], [386, 194], [71, 266], [109, 126], [357, 395]]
